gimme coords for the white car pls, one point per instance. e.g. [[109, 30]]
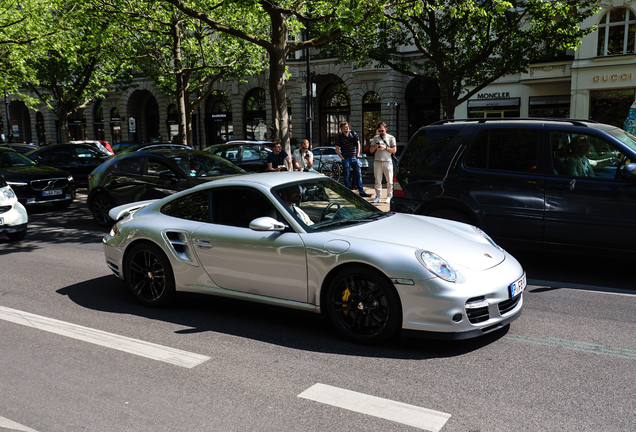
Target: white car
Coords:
[[306, 242], [13, 215]]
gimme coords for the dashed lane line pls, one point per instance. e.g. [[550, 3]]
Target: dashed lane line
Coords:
[[5, 423], [121, 343], [387, 409]]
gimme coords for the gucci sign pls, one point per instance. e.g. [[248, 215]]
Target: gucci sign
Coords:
[[614, 77]]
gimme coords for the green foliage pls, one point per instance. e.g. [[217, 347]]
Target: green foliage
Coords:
[[460, 43]]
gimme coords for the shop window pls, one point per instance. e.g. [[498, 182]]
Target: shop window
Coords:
[[611, 106], [255, 115], [173, 123], [98, 121], [550, 106], [115, 125], [335, 107], [218, 119], [371, 117], [616, 32]]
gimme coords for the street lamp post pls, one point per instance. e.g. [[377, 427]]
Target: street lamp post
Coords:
[[6, 106], [309, 101]]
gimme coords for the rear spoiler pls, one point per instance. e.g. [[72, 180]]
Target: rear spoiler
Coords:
[[116, 213]]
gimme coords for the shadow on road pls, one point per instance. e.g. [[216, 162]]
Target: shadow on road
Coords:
[[284, 327]]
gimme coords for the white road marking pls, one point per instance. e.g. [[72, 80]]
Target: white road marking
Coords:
[[122, 343], [399, 412], [5, 423]]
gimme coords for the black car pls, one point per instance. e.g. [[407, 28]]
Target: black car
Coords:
[[78, 159], [249, 155], [137, 176], [36, 184], [527, 182], [20, 148], [153, 146]]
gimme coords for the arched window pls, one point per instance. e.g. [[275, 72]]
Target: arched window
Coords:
[[115, 125], [98, 121], [255, 115], [335, 106], [371, 116], [218, 119], [173, 123], [152, 120], [616, 32]]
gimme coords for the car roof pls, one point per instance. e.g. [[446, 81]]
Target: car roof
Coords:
[[267, 179]]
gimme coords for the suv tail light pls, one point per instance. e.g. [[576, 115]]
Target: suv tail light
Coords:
[[397, 189]]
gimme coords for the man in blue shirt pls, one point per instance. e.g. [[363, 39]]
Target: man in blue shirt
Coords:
[[348, 149], [278, 160]]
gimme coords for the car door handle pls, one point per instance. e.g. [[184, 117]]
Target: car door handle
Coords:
[[204, 244], [565, 185]]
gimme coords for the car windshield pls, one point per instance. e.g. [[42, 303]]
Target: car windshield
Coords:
[[204, 165], [322, 204], [626, 138], [14, 159]]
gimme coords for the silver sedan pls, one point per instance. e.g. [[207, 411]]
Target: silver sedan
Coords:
[[304, 241]]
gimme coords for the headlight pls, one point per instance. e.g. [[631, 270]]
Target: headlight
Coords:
[[8, 193], [438, 266], [487, 237]]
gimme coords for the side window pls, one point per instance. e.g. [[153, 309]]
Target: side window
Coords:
[[194, 206], [156, 168], [239, 206], [129, 166], [251, 153], [430, 150], [82, 152], [581, 155], [505, 150]]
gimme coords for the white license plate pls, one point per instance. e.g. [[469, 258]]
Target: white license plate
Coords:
[[52, 192], [517, 287]]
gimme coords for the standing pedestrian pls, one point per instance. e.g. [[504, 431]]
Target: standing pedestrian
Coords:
[[384, 147], [348, 149]]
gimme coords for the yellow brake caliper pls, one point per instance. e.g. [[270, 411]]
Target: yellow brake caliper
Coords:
[[346, 294]]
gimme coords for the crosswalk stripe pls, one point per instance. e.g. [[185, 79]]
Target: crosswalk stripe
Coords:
[[387, 409], [110, 340]]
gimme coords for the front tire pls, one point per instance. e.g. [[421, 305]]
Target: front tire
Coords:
[[363, 305], [17, 236], [149, 275]]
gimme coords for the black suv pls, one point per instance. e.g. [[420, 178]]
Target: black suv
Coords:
[[526, 182]]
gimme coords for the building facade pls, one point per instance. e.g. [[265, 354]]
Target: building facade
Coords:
[[598, 82]]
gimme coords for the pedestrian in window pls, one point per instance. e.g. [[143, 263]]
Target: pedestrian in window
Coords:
[[384, 147], [348, 149], [303, 158], [278, 160]]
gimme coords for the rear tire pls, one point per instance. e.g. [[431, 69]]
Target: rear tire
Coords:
[[100, 206]]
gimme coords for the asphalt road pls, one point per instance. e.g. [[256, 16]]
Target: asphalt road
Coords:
[[78, 354]]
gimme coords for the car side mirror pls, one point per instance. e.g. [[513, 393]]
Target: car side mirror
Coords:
[[267, 223], [629, 172]]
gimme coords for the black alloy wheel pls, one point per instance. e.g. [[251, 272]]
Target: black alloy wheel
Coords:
[[100, 206], [363, 305], [149, 275]]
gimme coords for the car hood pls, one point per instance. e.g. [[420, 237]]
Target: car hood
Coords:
[[28, 173], [455, 242]]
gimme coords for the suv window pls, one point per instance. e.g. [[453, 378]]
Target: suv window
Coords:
[[429, 150], [581, 155], [505, 150]]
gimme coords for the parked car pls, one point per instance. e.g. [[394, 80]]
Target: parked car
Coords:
[[155, 146], [324, 155], [515, 179], [20, 148], [78, 159], [371, 273], [136, 176], [121, 146], [98, 145], [249, 155], [13, 215], [36, 184]]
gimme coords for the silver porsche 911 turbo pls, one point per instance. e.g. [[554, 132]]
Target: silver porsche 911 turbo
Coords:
[[306, 242]]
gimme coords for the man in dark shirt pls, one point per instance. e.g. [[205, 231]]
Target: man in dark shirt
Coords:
[[348, 149], [278, 160]]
